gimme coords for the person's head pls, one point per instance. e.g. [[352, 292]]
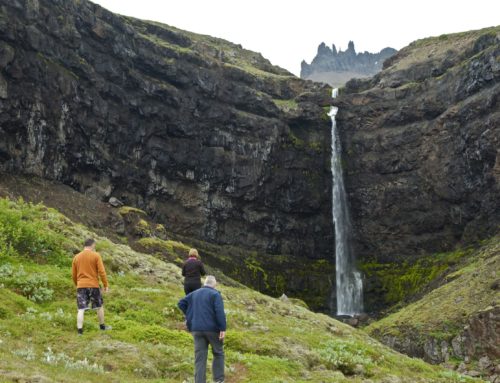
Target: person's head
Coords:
[[194, 253], [89, 243], [210, 281]]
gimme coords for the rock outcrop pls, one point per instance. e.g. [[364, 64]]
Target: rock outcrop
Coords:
[[457, 323], [337, 67], [421, 150], [210, 139], [477, 346]]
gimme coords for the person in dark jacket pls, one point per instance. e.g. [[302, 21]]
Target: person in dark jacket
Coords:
[[192, 271], [206, 320]]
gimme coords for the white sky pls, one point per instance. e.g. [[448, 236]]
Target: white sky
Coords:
[[286, 32]]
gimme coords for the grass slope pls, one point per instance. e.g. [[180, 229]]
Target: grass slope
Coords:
[[440, 48], [443, 312], [268, 340], [191, 45]]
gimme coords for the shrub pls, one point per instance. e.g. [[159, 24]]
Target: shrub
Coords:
[[142, 228], [27, 354], [156, 334], [6, 270], [68, 362], [4, 313], [25, 231], [345, 356], [34, 287]]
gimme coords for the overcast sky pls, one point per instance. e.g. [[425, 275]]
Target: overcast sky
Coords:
[[286, 32]]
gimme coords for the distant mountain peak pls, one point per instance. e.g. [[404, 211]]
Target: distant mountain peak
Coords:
[[336, 67]]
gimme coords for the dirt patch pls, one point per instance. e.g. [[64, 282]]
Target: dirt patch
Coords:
[[238, 373], [97, 215]]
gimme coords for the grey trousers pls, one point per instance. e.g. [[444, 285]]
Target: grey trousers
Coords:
[[201, 341]]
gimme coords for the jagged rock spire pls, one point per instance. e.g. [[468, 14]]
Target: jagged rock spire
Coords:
[[340, 63], [324, 50], [350, 47]]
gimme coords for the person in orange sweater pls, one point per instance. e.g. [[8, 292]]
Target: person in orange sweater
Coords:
[[87, 268]]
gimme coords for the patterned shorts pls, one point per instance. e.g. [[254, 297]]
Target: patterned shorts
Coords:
[[89, 295]]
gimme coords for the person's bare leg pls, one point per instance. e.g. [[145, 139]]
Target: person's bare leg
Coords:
[[100, 315], [79, 319]]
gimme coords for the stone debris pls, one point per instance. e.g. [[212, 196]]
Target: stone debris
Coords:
[[115, 202]]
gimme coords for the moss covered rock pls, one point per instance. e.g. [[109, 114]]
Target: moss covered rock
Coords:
[[455, 321]]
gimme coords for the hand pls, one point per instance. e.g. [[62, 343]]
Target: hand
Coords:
[[106, 289], [222, 334]]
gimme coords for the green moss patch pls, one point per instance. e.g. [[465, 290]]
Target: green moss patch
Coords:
[[286, 105], [124, 210], [172, 251], [444, 311], [405, 280]]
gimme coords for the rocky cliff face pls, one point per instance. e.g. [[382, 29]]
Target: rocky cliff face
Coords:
[[209, 138], [421, 142], [234, 153], [337, 67]]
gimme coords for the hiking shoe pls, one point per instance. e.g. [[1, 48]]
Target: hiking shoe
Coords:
[[103, 327], [80, 331]]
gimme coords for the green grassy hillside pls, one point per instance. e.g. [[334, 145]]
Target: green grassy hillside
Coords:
[[443, 316], [267, 341]]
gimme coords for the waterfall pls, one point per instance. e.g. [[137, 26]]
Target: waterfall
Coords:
[[349, 286]]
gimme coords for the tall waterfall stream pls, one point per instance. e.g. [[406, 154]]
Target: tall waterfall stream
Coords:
[[349, 284]]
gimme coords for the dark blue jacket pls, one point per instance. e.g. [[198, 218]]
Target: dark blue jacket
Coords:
[[204, 310]]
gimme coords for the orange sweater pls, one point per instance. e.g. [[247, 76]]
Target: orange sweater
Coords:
[[87, 267]]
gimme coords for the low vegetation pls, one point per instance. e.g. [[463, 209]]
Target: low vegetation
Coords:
[[437, 48], [268, 340], [412, 278], [185, 43], [286, 105], [444, 311]]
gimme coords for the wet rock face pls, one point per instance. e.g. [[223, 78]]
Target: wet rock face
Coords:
[[421, 148], [184, 126]]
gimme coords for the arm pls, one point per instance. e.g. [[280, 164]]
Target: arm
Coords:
[[74, 273], [102, 272], [202, 269], [183, 304], [220, 315]]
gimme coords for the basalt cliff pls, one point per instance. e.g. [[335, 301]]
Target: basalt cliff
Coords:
[[421, 147], [210, 139], [232, 153]]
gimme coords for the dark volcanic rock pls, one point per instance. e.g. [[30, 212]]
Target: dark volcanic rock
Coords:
[[336, 68], [206, 137], [479, 340], [421, 142], [223, 148]]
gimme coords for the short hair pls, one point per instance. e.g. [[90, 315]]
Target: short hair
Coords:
[[89, 242], [194, 253], [210, 281]]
